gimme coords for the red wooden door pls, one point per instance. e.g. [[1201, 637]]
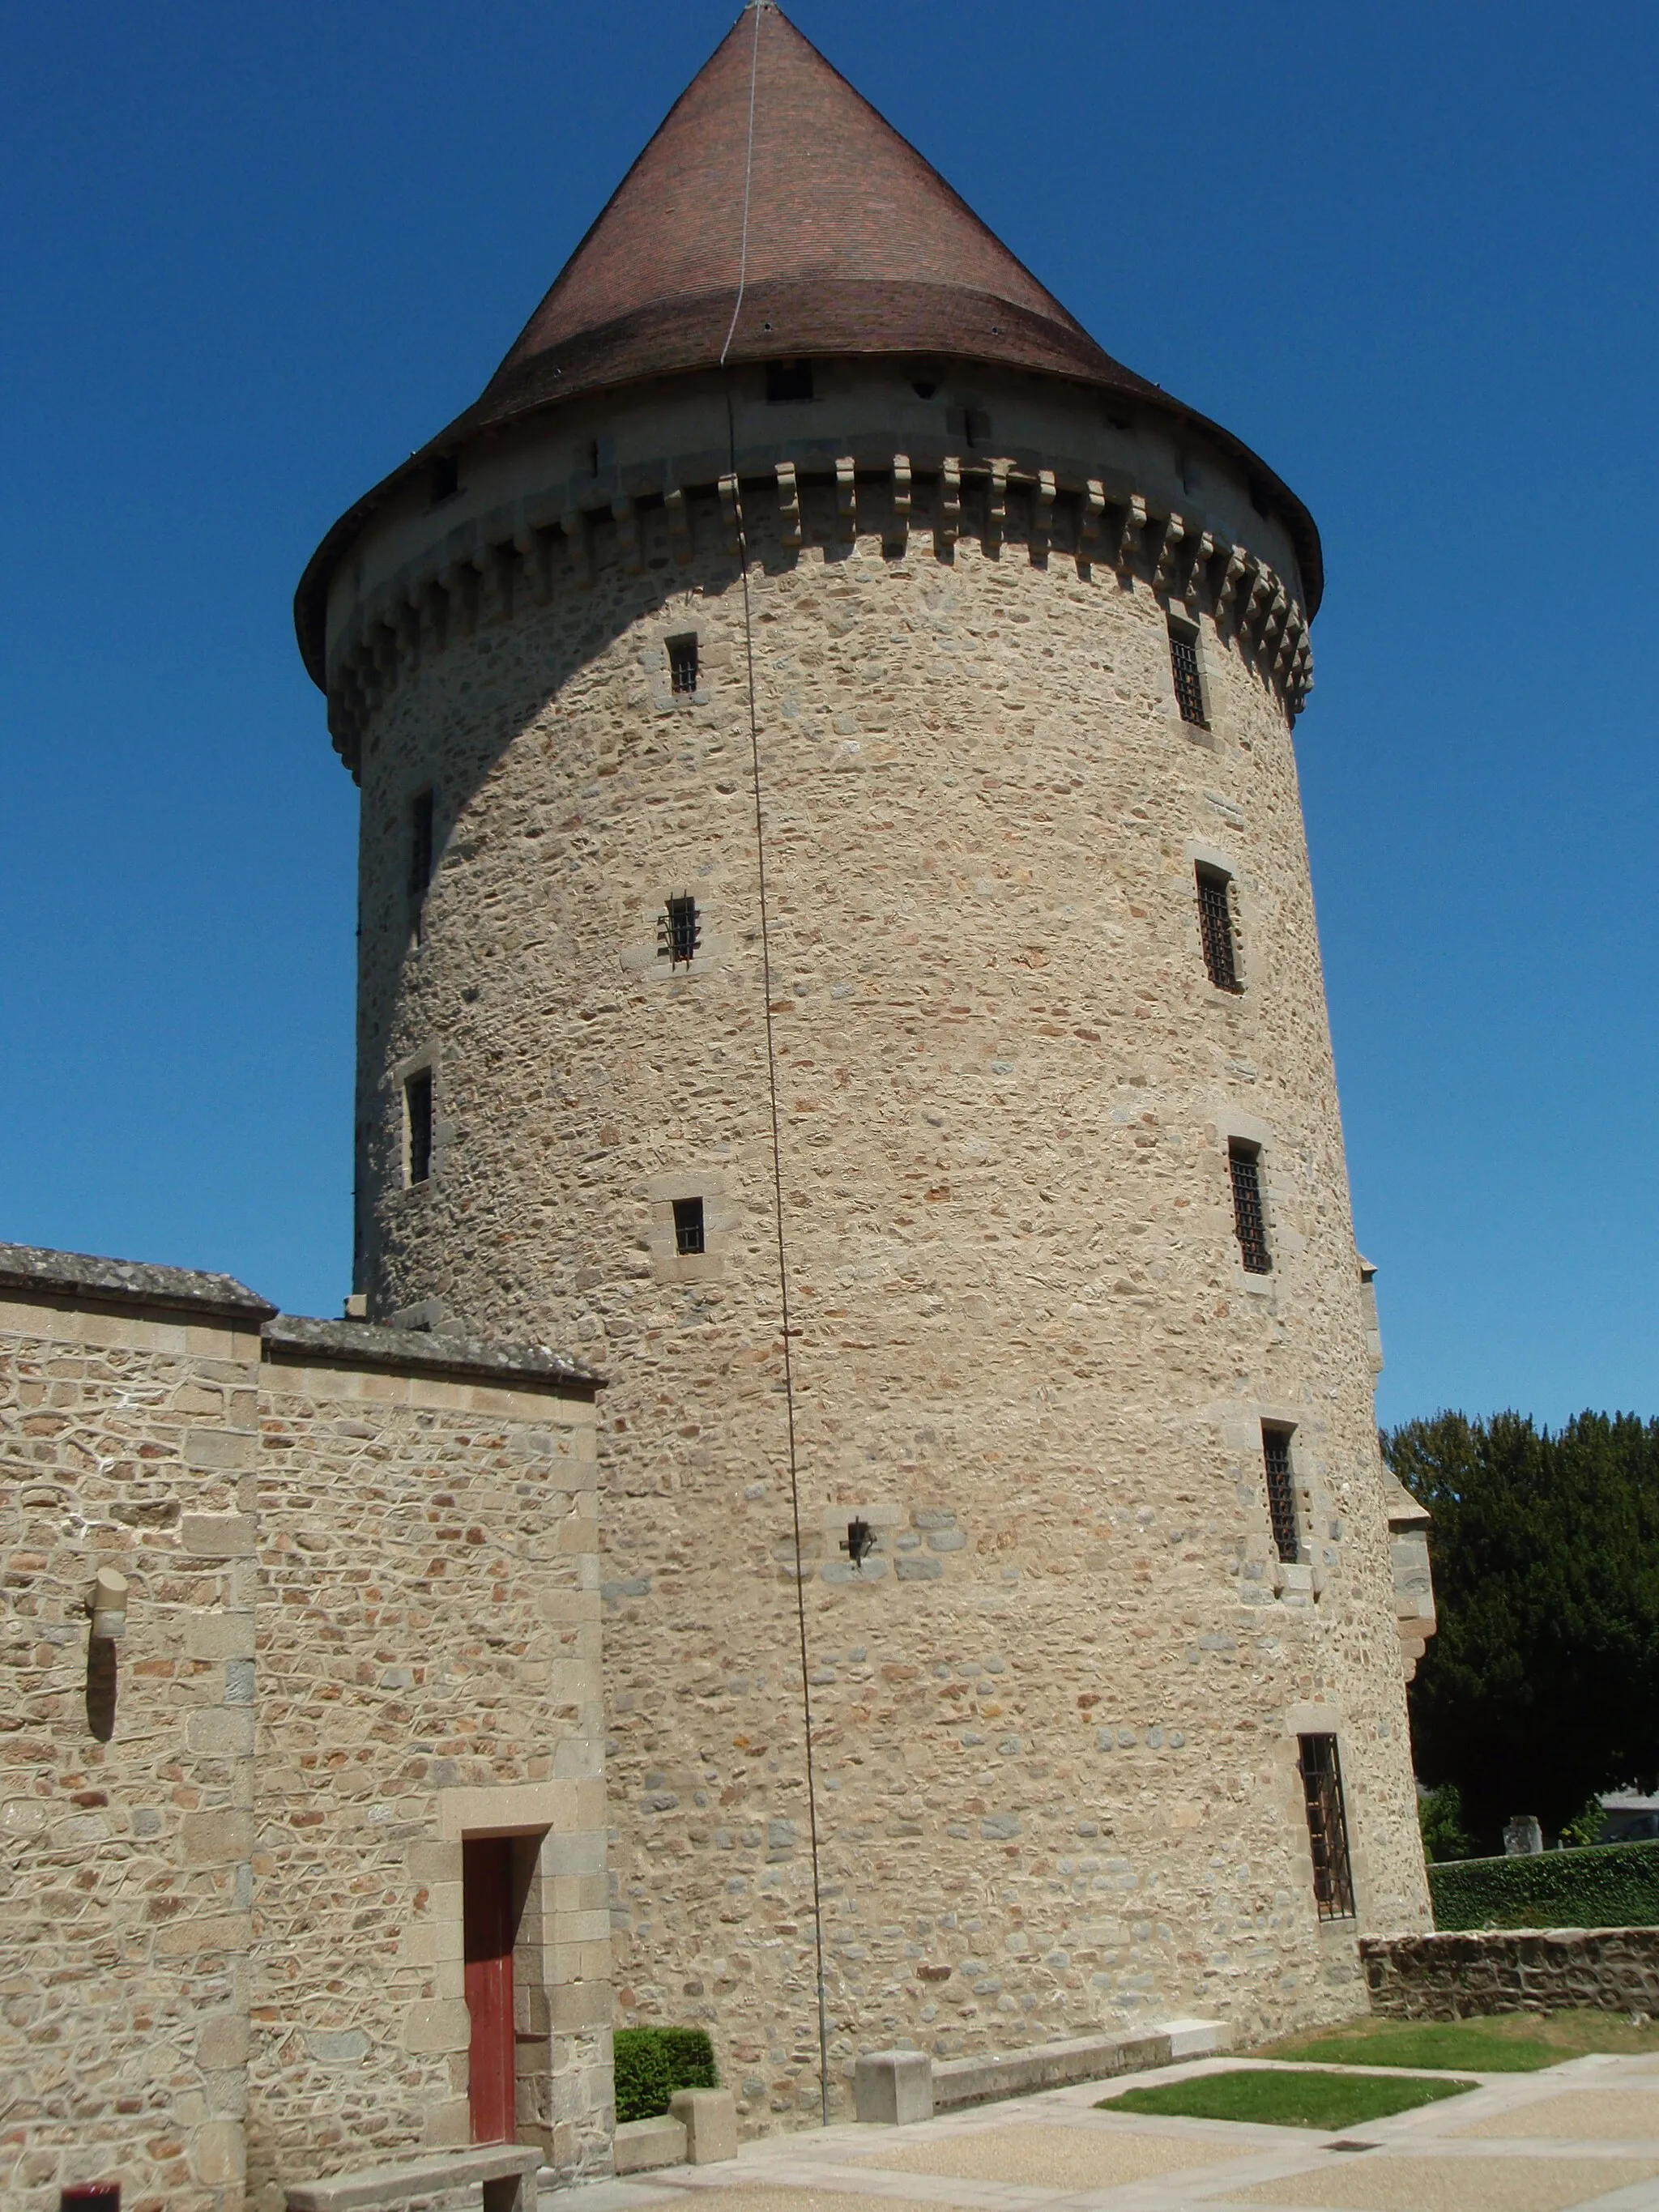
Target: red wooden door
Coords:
[[488, 1930]]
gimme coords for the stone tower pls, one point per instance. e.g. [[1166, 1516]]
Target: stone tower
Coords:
[[830, 824]]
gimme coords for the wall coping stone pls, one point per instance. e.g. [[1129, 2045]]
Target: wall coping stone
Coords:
[[641, 2146], [293, 1338], [37, 1271], [1442, 1939], [391, 2185]]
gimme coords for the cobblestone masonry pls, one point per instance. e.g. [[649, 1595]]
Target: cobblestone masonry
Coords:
[[362, 1624], [1055, 1714], [130, 1440], [429, 1662], [1459, 1973]]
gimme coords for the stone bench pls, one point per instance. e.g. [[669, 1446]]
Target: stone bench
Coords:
[[892, 2088], [503, 2174]]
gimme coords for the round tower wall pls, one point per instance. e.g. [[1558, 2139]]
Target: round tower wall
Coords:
[[1056, 1712]]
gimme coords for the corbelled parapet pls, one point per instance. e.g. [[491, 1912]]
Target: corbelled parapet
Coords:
[[482, 572]]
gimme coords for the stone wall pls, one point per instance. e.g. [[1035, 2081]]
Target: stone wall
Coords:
[[128, 1438], [362, 1624], [429, 1667], [1056, 1713], [1455, 1975]]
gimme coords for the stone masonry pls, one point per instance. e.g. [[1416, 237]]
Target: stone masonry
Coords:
[[1056, 1712], [1462, 1974], [362, 1623]]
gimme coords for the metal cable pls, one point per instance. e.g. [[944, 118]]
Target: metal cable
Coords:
[[772, 1087], [748, 176]]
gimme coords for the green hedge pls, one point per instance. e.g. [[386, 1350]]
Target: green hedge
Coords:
[[652, 2063], [1602, 1885]]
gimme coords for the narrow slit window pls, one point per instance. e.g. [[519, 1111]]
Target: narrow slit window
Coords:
[[788, 381], [1215, 923], [420, 845], [1249, 1219], [417, 1125], [688, 1227], [679, 932], [682, 666], [1320, 1768], [1189, 682], [1281, 1492], [444, 479]]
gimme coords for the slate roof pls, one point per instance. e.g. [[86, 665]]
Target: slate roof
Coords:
[[855, 246], [33, 1270], [406, 1351]]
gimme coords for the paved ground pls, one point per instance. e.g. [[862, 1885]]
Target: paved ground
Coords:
[[1582, 2137]]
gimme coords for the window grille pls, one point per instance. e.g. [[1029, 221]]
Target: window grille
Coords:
[[688, 1226], [1249, 1221], [1215, 923], [1281, 1492], [679, 931], [420, 845], [1188, 683], [418, 1123], [787, 381], [682, 666], [1320, 1769]]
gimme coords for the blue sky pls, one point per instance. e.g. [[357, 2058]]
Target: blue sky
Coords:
[[253, 256]]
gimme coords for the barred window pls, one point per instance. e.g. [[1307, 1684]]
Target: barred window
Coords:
[[1320, 1769], [679, 931], [1189, 682], [420, 845], [417, 1125], [1249, 1219], [1281, 1491], [683, 664], [1215, 923], [688, 1226]]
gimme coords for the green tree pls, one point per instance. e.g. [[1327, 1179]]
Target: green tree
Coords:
[[1440, 1816], [1542, 1684]]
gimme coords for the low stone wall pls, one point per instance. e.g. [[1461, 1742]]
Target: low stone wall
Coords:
[[1452, 1975]]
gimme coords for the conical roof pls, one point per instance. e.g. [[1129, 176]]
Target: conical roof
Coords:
[[776, 215], [853, 243]]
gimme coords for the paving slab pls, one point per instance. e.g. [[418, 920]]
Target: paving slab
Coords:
[[1582, 2136], [1620, 2115], [1374, 2182], [1063, 2156]]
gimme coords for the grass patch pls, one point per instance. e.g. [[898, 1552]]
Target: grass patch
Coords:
[[1503, 2042], [1272, 2099]]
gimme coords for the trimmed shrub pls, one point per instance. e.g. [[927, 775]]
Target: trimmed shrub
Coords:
[[652, 2063], [1608, 1886]]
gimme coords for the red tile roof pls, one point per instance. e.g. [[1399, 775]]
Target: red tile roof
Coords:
[[854, 245]]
